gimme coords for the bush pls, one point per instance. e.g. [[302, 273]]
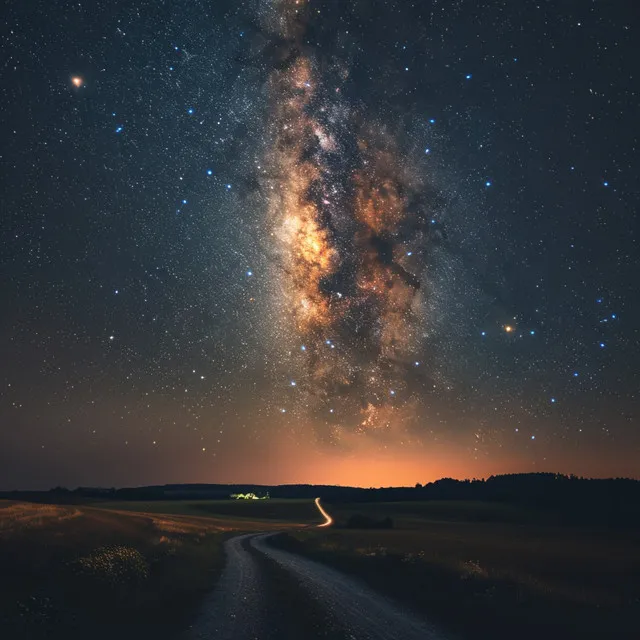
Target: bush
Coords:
[[114, 565]]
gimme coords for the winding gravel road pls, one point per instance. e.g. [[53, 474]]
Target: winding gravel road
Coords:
[[235, 609], [252, 602]]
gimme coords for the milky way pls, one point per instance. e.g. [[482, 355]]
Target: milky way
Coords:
[[350, 236], [242, 239]]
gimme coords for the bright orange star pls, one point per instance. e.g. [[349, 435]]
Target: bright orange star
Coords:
[[508, 328], [77, 81]]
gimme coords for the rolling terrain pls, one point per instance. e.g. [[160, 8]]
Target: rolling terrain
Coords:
[[271, 569], [133, 570]]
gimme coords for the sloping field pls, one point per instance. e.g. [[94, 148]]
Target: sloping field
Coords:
[[80, 571], [264, 513]]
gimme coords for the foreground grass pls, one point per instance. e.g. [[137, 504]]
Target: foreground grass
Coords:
[[80, 572], [480, 572]]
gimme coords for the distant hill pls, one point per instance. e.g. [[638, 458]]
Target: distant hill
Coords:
[[578, 500]]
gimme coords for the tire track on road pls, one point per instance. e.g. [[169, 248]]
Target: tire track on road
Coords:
[[363, 613]]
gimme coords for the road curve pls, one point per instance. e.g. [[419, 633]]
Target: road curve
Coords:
[[244, 604], [362, 613]]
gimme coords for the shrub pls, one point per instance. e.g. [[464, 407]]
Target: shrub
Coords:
[[114, 566]]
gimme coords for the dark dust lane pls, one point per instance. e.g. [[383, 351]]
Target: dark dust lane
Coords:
[[267, 594]]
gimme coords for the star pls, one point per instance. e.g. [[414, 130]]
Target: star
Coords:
[[332, 194]]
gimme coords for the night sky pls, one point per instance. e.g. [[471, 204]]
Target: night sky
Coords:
[[360, 242]]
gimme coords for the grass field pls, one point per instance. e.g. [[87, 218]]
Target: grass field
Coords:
[[264, 513], [80, 571], [487, 570], [409, 515]]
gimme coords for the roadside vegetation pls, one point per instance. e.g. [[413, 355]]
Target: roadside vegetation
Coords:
[[83, 572], [486, 569]]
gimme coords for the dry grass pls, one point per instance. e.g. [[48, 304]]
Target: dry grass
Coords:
[[248, 515], [17, 516], [64, 568]]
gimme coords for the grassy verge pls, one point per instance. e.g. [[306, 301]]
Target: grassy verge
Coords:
[[79, 572], [480, 572]]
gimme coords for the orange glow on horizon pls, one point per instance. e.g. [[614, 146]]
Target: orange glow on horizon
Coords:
[[366, 460], [361, 462]]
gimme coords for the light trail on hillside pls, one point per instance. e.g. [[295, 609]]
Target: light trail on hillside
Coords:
[[328, 520]]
